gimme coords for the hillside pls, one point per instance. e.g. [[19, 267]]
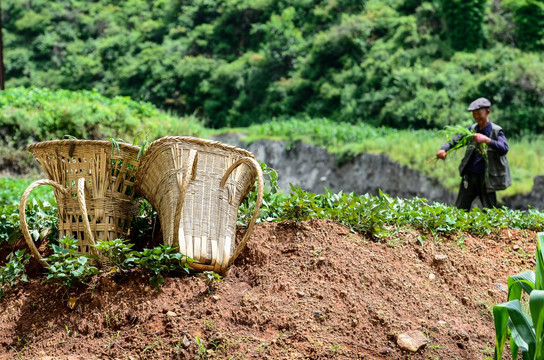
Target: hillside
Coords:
[[398, 63], [310, 290]]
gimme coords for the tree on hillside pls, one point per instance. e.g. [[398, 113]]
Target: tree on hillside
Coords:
[[464, 23]]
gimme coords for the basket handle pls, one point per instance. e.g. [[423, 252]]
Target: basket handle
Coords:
[[260, 190], [190, 174], [84, 214], [22, 215]]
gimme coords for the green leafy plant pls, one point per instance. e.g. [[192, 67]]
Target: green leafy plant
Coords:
[[272, 197], [66, 266], [41, 218], [201, 348], [13, 271], [143, 224], [118, 253], [300, 205], [524, 331], [159, 261], [212, 279]]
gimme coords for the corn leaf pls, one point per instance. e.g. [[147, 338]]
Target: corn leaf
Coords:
[[536, 306], [500, 317], [522, 329], [514, 348], [539, 276], [524, 281]]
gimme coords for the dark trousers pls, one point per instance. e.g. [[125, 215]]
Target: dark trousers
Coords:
[[472, 186]]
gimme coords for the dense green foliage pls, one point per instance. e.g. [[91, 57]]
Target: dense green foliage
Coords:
[[159, 261], [117, 253], [383, 216], [400, 63], [66, 266], [13, 271], [69, 269], [40, 210], [37, 114]]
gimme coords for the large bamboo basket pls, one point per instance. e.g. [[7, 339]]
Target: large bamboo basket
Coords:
[[93, 184], [196, 187]]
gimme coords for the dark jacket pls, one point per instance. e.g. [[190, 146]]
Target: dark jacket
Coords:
[[498, 170]]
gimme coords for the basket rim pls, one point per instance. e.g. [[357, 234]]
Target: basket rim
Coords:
[[199, 141], [145, 163], [49, 143]]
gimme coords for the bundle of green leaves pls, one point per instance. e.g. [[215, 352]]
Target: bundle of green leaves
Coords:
[[460, 137]]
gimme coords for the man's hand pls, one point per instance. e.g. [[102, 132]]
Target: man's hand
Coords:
[[481, 138], [441, 154]]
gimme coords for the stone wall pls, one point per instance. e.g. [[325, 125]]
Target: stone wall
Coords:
[[313, 168]]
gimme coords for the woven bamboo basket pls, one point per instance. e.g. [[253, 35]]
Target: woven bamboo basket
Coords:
[[196, 187], [93, 184]]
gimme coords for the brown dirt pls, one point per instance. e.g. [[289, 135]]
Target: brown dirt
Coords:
[[298, 291]]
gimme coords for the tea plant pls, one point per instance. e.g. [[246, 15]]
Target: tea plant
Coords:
[[272, 198], [118, 252], [212, 279], [159, 261], [66, 266], [300, 205], [13, 271], [524, 331]]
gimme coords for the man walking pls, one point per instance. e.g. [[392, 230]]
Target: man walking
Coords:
[[481, 177]]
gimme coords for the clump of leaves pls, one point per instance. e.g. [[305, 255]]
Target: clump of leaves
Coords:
[[118, 253], [364, 214], [143, 225], [272, 197], [14, 270], [212, 280], [300, 205], [161, 260], [66, 266]]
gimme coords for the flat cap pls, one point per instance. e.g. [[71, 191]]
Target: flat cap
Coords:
[[479, 103]]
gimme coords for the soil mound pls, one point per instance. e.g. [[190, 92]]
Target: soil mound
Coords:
[[310, 290]]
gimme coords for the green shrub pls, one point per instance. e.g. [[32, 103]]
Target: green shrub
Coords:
[[39, 114], [464, 22], [300, 205], [66, 267], [13, 271], [529, 18], [118, 253], [271, 203], [41, 210], [160, 261]]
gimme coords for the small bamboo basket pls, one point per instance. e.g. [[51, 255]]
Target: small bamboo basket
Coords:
[[196, 187], [93, 182]]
